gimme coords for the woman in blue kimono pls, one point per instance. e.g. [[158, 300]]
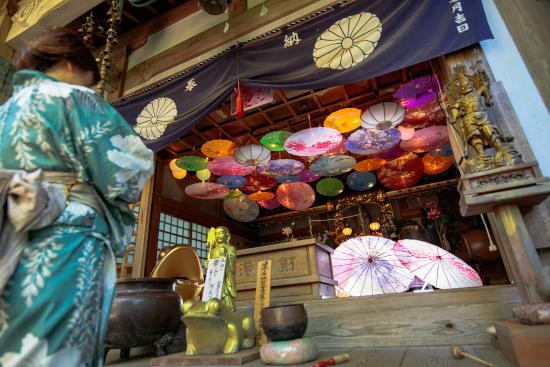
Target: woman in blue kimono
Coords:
[[54, 308]]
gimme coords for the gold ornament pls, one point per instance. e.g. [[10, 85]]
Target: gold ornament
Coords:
[[347, 231]]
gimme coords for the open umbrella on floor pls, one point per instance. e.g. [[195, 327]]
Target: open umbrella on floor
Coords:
[[435, 266], [367, 265]]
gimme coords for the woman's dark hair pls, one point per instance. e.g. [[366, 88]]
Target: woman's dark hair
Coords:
[[54, 46]]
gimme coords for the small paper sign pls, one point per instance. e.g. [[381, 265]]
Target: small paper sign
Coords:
[[263, 291], [214, 279]]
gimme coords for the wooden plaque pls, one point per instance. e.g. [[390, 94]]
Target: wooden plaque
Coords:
[[263, 290]]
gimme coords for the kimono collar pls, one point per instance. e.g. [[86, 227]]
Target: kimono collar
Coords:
[[27, 77]]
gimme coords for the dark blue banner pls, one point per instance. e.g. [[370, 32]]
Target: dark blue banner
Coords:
[[347, 44]]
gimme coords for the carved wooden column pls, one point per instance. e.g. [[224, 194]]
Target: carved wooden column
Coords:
[[492, 185], [6, 52]]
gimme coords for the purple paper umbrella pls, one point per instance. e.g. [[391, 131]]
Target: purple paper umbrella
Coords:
[[270, 204], [308, 176], [281, 167], [427, 139], [371, 142], [417, 92], [287, 179], [232, 181]]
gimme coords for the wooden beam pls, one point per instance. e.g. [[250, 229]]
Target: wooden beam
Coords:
[[241, 25], [142, 231]]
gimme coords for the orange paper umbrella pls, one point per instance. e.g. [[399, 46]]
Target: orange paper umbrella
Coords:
[[344, 120], [401, 172], [261, 196], [371, 164], [295, 195], [218, 148], [436, 165]]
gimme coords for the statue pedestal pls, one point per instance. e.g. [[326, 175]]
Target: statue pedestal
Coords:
[[480, 192], [180, 359]]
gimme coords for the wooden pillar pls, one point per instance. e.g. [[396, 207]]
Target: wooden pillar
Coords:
[[142, 231]]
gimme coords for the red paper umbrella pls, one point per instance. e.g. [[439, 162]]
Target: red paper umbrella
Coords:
[[401, 172], [390, 154], [428, 115], [427, 139], [295, 195], [436, 165], [227, 166], [255, 183]]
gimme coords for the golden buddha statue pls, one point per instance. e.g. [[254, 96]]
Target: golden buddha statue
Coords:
[[219, 246], [469, 115]]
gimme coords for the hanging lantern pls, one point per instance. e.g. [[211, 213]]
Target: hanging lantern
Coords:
[[275, 140], [203, 174], [192, 163], [218, 148], [347, 231], [374, 226], [344, 120], [436, 165], [370, 164], [252, 155], [382, 116], [261, 196], [179, 174], [329, 186]]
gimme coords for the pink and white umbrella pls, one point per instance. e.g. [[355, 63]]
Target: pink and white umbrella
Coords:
[[435, 266], [367, 265]]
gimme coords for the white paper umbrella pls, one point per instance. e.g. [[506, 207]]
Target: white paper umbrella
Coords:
[[367, 265], [382, 116], [436, 266], [252, 155]]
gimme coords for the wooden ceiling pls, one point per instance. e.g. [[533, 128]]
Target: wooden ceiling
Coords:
[[291, 110]]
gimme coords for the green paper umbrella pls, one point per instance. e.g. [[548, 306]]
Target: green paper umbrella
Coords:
[[233, 194], [203, 174], [192, 163], [275, 140], [330, 186]]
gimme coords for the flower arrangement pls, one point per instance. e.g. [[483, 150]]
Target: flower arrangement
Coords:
[[287, 231], [438, 219]]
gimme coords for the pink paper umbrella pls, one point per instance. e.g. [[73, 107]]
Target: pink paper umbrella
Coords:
[[427, 139], [295, 195], [308, 176], [367, 265], [313, 141], [270, 204], [228, 166], [417, 92], [207, 190], [435, 266]]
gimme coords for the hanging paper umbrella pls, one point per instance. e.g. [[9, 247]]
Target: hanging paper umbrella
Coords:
[[446, 150], [370, 164], [417, 92], [329, 186], [382, 116], [427, 115], [275, 140], [203, 174], [207, 190], [192, 163], [333, 165], [179, 174], [401, 172], [241, 209], [283, 179], [313, 141], [228, 166], [435, 266], [436, 165], [258, 183], [261, 195], [234, 193], [361, 181], [232, 181], [427, 139], [281, 167], [344, 120], [308, 176], [173, 166], [407, 133], [218, 148], [340, 149], [252, 155], [366, 265], [372, 141], [295, 195], [391, 153], [271, 204]]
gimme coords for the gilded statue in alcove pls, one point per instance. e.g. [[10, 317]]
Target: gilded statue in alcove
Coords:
[[219, 245], [468, 113]]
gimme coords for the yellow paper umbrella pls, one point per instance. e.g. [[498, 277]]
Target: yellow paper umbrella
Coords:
[[203, 174], [179, 174], [261, 196], [344, 120], [174, 168], [436, 165], [218, 148], [370, 164]]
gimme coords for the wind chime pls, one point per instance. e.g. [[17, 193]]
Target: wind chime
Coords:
[[87, 31]]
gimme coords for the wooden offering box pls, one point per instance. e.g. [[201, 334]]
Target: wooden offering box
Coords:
[[300, 270]]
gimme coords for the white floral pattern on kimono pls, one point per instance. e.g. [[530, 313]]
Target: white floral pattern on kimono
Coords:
[[54, 309]]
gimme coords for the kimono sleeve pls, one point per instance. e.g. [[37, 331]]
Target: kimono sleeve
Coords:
[[115, 160]]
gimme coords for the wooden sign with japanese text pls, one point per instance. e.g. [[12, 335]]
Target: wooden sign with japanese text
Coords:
[[263, 290], [213, 284]]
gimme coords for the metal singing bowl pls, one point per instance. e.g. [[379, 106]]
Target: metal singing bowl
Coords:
[[284, 322]]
